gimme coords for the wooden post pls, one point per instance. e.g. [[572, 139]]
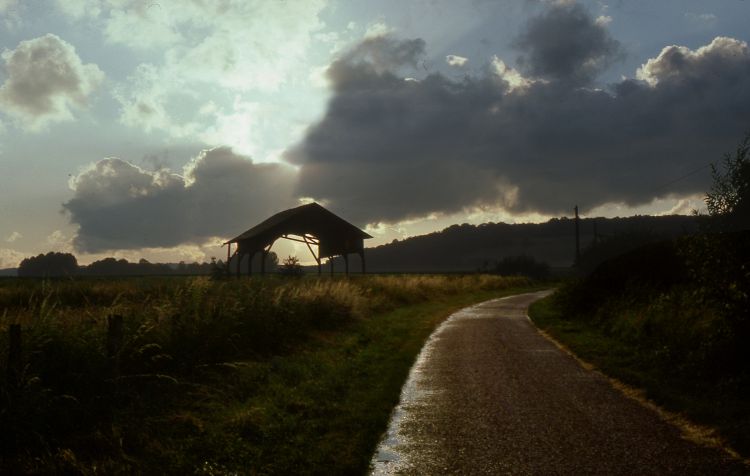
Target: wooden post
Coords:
[[114, 343], [320, 268], [362, 255], [14, 354], [578, 237], [229, 249], [263, 255], [346, 263], [239, 262]]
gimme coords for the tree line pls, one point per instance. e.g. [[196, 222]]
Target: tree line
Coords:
[[54, 264]]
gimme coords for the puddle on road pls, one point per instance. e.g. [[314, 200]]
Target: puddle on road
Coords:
[[390, 456]]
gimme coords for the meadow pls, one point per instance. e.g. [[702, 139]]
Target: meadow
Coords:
[[247, 376]]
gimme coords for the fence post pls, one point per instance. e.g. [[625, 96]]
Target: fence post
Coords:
[[114, 343], [14, 354]]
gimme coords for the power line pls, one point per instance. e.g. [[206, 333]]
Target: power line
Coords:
[[683, 177]]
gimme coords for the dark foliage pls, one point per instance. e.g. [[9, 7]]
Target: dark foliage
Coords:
[[121, 267], [719, 265], [521, 265], [466, 247], [50, 265], [649, 269], [728, 201], [683, 302], [614, 246], [65, 264]]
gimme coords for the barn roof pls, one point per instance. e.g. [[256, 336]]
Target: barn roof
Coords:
[[310, 218]]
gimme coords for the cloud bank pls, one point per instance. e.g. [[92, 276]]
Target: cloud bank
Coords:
[[396, 145], [390, 149], [119, 205], [46, 80]]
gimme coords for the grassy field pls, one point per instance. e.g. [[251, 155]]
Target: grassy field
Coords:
[[270, 376]]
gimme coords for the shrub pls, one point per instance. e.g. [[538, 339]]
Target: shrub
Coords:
[[522, 265], [291, 267]]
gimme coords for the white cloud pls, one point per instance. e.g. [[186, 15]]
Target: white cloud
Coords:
[[231, 44], [702, 20], [46, 80], [514, 79], [80, 8], [676, 62], [6, 5], [143, 28], [603, 20], [240, 126], [229, 54], [145, 99], [455, 60], [57, 237], [10, 258], [376, 29], [687, 206], [57, 241], [670, 205], [14, 237], [10, 15]]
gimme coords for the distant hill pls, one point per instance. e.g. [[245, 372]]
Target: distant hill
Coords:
[[467, 247]]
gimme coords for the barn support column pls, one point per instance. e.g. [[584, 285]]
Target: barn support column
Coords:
[[346, 263], [310, 240], [362, 256], [250, 263], [239, 262], [263, 255]]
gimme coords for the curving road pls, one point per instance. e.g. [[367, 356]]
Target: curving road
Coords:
[[489, 395]]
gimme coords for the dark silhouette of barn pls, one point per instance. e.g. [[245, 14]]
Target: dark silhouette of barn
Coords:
[[310, 224]]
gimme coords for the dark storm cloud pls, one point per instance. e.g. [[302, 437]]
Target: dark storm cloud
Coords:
[[564, 43], [375, 58], [389, 149], [118, 205]]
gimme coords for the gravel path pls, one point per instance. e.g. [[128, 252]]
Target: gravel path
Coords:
[[490, 395]]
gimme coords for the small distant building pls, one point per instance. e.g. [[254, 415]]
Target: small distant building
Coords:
[[310, 224]]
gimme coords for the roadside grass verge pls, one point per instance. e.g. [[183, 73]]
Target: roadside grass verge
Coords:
[[672, 347], [237, 377]]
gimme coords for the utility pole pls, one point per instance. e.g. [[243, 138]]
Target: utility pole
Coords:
[[596, 234], [578, 237]]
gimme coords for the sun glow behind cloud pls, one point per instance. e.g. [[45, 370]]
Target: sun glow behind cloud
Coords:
[[232, 74]]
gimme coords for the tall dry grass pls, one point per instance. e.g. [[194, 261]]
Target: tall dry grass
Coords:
[[173, 327]]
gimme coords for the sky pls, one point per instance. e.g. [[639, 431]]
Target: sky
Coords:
[[159, 129]]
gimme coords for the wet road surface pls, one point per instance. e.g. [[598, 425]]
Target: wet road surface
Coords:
[[489, 395]]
